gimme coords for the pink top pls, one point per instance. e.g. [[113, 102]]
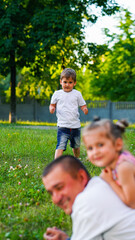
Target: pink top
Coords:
[[124, 156]]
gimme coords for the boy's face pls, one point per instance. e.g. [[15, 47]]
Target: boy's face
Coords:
[[67, 84]]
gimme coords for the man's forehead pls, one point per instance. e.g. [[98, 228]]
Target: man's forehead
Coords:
[[56, 176]]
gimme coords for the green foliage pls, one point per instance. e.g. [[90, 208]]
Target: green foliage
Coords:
[[84, 78], [114, 71], [39, 38]]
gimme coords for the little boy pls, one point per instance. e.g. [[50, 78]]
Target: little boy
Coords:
[[66, 102]]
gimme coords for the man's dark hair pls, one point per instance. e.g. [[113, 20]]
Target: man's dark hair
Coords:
[[69, 163]]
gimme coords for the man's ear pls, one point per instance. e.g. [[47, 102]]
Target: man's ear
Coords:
[[82, 177], [119, 144], [74, 83], [60, 82]]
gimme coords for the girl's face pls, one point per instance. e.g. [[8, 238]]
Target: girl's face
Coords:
[[101, 150]]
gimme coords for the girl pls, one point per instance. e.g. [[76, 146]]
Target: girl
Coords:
[[104, 144]]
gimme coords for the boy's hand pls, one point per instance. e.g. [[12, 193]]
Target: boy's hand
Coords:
[[55, 234], [84, 109], [52, 108]]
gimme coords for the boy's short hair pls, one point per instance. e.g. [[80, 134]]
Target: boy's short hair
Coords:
[[69, 164], [67, 73]]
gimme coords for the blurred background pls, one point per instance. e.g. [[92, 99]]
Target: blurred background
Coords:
[[38, 39]]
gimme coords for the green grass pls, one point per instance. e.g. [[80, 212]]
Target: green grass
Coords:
[[26, 208]]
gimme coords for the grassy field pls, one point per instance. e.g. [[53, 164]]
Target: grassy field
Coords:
[[26, 208]]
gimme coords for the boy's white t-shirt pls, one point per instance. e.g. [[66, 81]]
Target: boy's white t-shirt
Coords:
[[67, 104]]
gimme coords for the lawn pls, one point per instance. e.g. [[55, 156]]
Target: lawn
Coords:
[[26, 208]]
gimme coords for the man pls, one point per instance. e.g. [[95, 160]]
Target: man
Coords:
[[96, 211]]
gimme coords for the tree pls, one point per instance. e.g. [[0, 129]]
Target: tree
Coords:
[[30, 29], [14, 29], [115, 78]]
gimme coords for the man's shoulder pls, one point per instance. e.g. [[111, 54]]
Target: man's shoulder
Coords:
[[89, 197], [93, 187], [95, 190]]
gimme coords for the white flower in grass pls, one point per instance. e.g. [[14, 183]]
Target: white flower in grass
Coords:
[[11, 168], [26, 204]]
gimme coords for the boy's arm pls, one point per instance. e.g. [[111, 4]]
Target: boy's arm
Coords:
[[84, 109], [52, 108]]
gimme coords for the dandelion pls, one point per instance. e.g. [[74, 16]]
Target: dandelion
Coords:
[[26, 166]]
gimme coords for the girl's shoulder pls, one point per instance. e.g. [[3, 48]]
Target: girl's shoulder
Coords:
[[126, 157]]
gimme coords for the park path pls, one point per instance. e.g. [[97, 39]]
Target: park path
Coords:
[[38, 127]]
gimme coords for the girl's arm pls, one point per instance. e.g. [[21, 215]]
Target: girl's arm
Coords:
[[126, 177], [52, 108]]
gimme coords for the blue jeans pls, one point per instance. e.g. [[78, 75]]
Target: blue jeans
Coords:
[[65, 134]]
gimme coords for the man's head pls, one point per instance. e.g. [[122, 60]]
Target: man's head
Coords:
[[64, 178]]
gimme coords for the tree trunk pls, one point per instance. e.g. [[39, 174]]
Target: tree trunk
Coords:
[[12, 114]]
